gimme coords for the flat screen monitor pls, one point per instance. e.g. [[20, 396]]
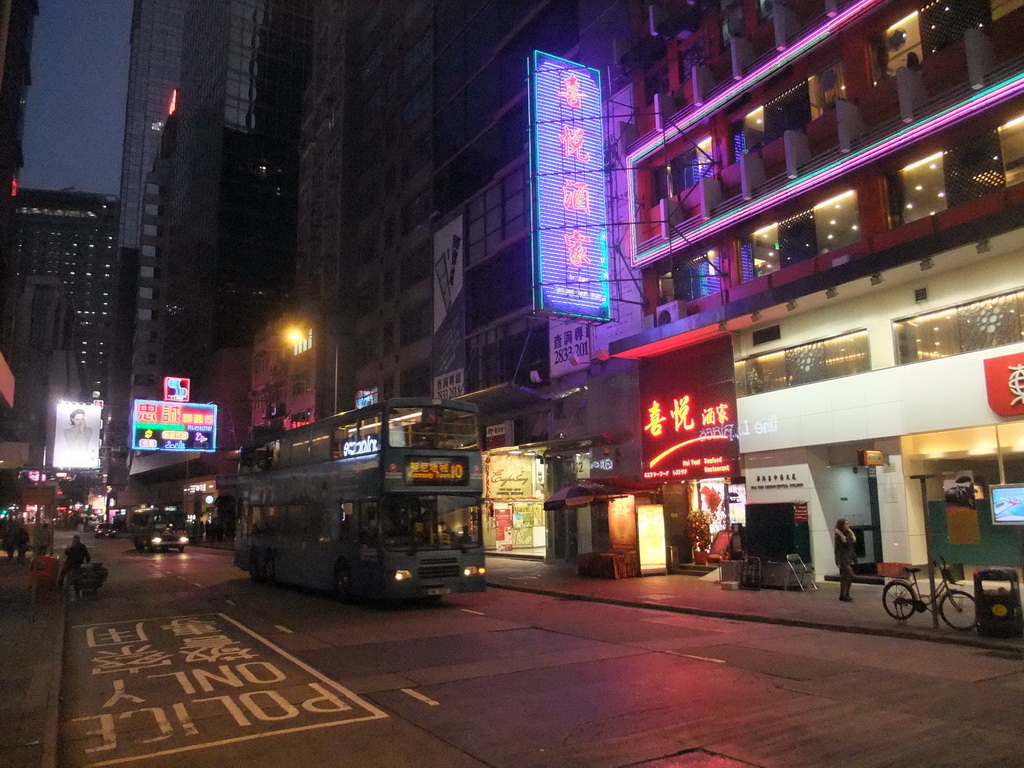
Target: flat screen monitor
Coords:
[[1007, 504]]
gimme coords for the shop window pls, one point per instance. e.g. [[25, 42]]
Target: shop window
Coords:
[[688, 167], [966, 328], [748, 133], [1002, 7], [837, 222], [825, 88], [1011, 147], [804, 364], [790, 111], [943, 22], [973, 169], [694, 277], [898, 46], [919, 190], [797, 239], [731, 18], [759, 253]]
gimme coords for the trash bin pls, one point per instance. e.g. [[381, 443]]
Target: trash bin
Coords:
[[997, 608], [46, 571]]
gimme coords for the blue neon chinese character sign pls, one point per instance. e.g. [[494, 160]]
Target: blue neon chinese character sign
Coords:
[[570, 221]]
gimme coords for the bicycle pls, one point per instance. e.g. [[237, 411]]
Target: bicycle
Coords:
[[902, 598]]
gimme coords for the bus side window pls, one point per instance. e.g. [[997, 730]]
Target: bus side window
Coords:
[[346, 521], [368, 522], [342, 434]]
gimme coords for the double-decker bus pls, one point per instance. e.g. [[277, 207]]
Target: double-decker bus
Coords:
[[381, 502]]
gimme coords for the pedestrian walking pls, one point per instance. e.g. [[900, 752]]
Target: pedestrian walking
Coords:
[[23, 542], [845, 544], [75, 556]]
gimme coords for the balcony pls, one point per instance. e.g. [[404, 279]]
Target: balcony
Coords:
[[886, 140]]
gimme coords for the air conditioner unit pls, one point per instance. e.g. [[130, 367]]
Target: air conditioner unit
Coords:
[[669, 313]]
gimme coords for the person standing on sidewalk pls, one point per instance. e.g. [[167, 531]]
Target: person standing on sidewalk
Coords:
[[845, 544]]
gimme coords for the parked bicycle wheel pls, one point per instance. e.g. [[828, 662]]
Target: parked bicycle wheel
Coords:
[[898, 599], [957, 610]]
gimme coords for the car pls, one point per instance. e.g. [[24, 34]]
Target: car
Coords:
[[105, 531]]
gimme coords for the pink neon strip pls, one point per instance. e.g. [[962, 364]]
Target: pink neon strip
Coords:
[[995, 95], [791, 52], [699, 113]]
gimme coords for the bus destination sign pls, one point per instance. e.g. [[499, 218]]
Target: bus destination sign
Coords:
[[448, 470]]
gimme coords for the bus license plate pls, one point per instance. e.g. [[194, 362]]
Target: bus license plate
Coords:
[[438, 591]]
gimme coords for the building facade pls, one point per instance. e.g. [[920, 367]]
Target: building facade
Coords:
[[73, 236], [826, 198]]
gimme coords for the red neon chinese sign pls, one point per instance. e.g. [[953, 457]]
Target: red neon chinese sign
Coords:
[[688, 414]]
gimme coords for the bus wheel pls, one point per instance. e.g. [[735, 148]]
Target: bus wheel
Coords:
[[138, 546], [254, 567], [342, 582], [269, 568]]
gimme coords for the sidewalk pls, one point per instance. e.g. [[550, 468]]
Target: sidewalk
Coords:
[[819, 609], [31, 649]]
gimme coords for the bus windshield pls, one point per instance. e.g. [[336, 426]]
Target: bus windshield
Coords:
[[433, 427], [430, 522]]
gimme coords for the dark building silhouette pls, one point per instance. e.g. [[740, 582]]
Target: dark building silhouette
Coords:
[[73, 236]]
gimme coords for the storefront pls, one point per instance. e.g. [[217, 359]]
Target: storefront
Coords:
[[514, 520], [853, 447], [689, 446]]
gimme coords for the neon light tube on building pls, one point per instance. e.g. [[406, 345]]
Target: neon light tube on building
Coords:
[[989, 97]]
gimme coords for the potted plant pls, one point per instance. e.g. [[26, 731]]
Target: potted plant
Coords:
[[700, 534]]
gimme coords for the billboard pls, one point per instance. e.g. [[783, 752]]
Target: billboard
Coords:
[[449, 360], [688, 420], [76, 439], [158, 425], [570, 218]]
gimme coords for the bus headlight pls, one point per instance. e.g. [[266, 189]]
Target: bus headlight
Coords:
[[474, 570], [183, 540], [403, 575], [156, 540]]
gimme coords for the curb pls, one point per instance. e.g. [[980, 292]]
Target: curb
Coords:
[[896, 633], [52, 721]]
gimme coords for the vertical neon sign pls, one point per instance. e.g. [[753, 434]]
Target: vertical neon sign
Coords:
[[570, 221]]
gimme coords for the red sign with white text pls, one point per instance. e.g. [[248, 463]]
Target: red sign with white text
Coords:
[[688, 414], [1004, 383]]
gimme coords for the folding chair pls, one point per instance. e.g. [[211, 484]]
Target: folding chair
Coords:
[[800, 571]]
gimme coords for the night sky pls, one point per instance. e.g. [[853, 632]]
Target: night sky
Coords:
[[74, 120]]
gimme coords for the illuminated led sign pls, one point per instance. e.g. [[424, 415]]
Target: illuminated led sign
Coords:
[[570, 221], [688, 414], [360, 447], [437, 471], [158, 425], [176, 389]]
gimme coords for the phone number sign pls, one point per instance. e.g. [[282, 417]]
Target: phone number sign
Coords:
[[159, 425]]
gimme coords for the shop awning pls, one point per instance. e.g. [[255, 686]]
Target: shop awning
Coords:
[[583, 493], [504, 398]]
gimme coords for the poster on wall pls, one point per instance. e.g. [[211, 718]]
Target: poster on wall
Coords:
[[569, 347], [509, 476], [737, 503], [449, 349], [712, 503], [961, 512], [502, 527], [76, 440], [650, 523], [622, 522]]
